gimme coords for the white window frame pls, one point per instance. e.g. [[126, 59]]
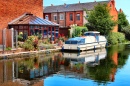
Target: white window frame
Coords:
[[61, 16], [78, 16], [55, 17], [47, 17]]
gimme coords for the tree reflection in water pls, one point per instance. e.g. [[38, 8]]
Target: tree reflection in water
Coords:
[[105, 72]]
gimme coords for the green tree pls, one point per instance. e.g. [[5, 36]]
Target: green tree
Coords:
[[77, 31], [100, 20], [126, 30], [122, 21]]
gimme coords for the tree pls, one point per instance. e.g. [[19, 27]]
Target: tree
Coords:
[[122, 21], [76, 31], [100, 20]]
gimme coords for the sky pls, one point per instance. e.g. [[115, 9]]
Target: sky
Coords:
[[123, 4]]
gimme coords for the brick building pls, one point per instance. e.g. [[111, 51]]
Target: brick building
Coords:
[[69, 14], [11, 9]]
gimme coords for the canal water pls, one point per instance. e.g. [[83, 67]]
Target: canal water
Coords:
[[101, 67]]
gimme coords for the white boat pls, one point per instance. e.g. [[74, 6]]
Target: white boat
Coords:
[[90, 40]]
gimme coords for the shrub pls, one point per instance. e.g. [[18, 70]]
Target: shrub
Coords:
[[20, 36], [8, 48], [31, 43], [115, 38]]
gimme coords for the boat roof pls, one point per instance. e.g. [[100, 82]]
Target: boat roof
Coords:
[[92, 32]]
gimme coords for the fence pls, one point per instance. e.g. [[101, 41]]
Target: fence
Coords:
[[8, 38]]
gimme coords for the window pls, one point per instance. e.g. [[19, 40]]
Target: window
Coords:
[[55, 17], [71, 17], [46, 17], [61, 17], [86, 15], [78, 16]]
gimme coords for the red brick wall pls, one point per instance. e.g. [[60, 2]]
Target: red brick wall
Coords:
[[52, 17], [11, 9], [62, 22], [114, 13], [79, 22], [75, 21]]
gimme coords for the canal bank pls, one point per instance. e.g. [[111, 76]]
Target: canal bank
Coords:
[[25, 53]]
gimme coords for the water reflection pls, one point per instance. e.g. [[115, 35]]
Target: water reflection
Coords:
[[99, 66]]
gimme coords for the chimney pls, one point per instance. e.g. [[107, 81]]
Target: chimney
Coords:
[[51, 4], [120, 10], [79, 2]]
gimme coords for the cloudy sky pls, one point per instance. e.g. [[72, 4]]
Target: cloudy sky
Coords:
[[124, 4]]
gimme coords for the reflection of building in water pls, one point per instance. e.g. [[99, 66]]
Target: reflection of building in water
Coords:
[[115, 60], [32, 70], [6, 71]]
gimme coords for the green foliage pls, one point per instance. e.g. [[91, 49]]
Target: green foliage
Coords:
[[62, 39], [122, 21], [20, 37], [39, 36], [8, 48], [78, 31], [115, 38], [126, 29], [29, 43], [100, 20]]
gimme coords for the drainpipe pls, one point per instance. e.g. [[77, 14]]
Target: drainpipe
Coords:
[[65, 19], [74, 17], [57, 17]]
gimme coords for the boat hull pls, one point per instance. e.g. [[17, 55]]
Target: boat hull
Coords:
[[84, 47]]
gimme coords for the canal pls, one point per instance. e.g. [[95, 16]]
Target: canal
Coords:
[[101, 67]]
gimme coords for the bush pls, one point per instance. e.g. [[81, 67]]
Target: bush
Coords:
[[115, 38], [20, 36], [31, 43], [8, 48]]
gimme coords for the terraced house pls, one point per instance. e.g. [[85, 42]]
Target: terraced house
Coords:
[[69, 14]]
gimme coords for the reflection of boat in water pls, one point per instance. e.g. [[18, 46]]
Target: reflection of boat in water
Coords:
[[91, 57]]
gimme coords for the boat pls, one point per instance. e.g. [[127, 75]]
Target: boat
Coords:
[[90, 40], [91, 57]]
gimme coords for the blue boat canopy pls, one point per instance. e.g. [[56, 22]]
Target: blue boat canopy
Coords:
[[76, 40]]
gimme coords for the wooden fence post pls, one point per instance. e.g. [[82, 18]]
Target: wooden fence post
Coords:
[[4, 39]]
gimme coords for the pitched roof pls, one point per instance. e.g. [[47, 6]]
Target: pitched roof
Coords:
[[30, 19], [72, 7]]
